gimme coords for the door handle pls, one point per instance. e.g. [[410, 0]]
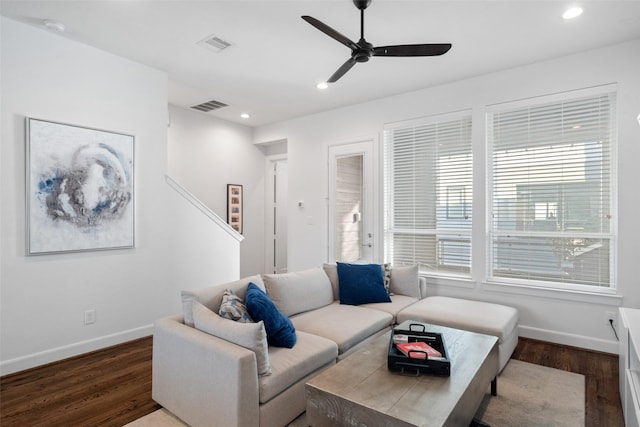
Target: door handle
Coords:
[[368, 245]]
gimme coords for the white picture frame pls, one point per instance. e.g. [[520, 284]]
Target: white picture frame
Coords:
[[80, 188]]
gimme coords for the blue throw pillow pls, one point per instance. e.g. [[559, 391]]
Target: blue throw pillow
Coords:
[[361, 284], [280, 330]]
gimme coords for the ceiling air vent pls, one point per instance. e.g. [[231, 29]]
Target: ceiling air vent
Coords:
[[214, 43], [209, 106]]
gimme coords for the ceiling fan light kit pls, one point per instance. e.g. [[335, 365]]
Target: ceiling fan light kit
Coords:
[[363, 50]]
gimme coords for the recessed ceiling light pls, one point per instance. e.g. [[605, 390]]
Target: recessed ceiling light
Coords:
[[572, 12], [245, 115], [322, 85], [55, 26]]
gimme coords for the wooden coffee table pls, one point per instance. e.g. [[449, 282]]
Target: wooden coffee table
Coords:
[[360, 390]]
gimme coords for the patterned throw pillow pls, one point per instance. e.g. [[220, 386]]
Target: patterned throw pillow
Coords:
[[232, 308], [386, 275]]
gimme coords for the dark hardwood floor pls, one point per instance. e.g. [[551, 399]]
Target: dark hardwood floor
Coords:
[[603, 406], [112, 387], [109, 387]]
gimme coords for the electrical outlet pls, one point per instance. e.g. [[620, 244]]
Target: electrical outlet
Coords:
[[90, 317], [609, 316]]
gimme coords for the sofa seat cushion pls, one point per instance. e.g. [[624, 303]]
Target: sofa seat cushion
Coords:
[[474, 316], [398, 303], [289, 365], [346, 325]]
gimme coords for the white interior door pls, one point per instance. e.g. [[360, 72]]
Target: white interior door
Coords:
[[351, 203], [276, 215]]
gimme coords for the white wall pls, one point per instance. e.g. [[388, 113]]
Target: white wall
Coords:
[[206, 154], [569, 318], [43, 298]]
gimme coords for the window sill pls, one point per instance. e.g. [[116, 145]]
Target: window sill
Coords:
[[609, 298], [460, 282]]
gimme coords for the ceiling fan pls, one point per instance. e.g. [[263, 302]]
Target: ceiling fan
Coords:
[[363, 50]]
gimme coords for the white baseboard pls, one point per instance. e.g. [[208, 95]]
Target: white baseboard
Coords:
[[573, 340], [64, 352]]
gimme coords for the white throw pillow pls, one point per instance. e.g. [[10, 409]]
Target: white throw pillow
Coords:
[[405, 281], [251, 336]]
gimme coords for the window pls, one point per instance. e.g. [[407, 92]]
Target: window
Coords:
[[428, 165], [551, 192]]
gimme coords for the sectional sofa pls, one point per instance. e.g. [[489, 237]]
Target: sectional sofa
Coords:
[[210, 371]]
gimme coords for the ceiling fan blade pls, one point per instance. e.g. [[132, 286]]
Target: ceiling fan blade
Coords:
[[433, 49], [342, 70], [331, 32]]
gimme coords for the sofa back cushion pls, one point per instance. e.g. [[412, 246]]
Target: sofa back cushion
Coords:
[[251, 336], [299, 291], [331, 270], [211, 297], [405, 281]]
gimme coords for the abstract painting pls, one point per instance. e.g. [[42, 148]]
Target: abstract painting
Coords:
[[80, 192]]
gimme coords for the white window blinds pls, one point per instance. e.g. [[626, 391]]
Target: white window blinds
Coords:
[[428, 189], [551, 180]]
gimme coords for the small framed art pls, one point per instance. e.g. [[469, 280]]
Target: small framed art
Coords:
[[234, 206]]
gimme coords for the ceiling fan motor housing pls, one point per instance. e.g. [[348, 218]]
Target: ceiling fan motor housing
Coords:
[[364, 51]]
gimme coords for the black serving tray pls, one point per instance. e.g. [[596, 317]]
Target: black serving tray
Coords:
[[417, 331]]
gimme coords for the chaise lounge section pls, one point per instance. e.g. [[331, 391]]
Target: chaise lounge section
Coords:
[[474, 316]]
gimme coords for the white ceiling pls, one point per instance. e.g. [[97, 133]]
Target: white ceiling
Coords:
[[276, 58]]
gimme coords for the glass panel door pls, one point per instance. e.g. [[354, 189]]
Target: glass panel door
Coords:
[[351, 203]]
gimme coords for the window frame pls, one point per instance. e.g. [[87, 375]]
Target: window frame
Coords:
[[388, 202], [612, 235]]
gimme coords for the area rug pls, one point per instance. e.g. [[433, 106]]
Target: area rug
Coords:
[[528, 396], [534, 395]]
